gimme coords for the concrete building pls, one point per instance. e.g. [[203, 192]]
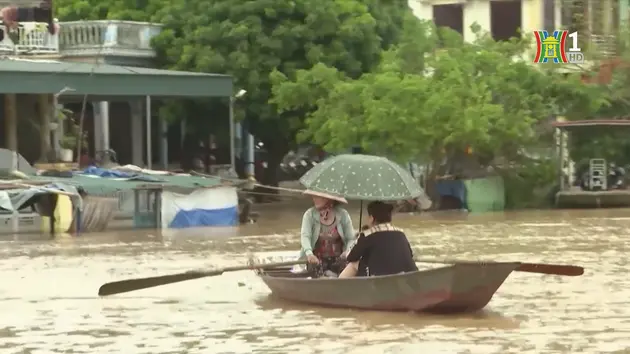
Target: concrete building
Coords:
[[597, 21], [106, 61], [117, 124]]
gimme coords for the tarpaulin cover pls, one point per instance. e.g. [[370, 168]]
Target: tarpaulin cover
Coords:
[[203, 207]]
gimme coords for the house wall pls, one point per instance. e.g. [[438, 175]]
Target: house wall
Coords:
[[532, 14]]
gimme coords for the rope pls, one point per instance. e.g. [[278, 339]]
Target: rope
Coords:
[[268, 194], [300, 191], [239, 182]]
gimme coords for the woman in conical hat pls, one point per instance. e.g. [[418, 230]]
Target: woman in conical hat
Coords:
[[327, 233]]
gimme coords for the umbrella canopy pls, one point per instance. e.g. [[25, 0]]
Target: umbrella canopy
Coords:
[[327, 196], [362, 177]]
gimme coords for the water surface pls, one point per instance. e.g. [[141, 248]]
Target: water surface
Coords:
[[48, 301]]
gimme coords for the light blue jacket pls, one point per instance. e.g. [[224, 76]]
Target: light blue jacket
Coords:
[[311, 227]]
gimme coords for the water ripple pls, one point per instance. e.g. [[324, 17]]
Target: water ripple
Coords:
[[49, 303]]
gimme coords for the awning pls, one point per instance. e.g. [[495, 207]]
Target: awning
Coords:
[[16, 199], [49, 77]]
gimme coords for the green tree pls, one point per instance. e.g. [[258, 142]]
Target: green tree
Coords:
[[128, 10], [434, 94], [251, 39], [611, 77]]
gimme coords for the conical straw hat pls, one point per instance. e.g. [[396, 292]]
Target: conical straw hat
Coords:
[[326, 195]]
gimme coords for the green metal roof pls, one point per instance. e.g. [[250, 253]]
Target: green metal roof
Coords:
[[110, 186], [49, 77]]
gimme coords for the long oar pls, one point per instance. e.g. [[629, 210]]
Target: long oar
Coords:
[[542, 268], [124, 286]]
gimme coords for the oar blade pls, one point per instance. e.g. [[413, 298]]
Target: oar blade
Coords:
[[124, 286], [555, 269], [541, 268]]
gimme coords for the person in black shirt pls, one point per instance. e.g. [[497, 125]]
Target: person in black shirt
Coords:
[[382, 249]]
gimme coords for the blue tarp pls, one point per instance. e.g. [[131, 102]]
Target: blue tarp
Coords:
[[107, 173], [102, 172], [453, 188], [204, 217]]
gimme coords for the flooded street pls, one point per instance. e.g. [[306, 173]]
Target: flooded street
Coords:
[[49, 303]]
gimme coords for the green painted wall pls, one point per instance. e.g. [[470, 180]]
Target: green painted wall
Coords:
[[485, 194]]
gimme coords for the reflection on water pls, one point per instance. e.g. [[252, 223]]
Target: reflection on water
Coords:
[[48, 294], [408, 321]]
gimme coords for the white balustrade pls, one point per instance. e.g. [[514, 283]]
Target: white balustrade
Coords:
[[29, 38], [108, 37]]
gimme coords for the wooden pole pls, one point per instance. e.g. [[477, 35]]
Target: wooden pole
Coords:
[[149, 143], [44, 126], [80, 146], [10, 122]]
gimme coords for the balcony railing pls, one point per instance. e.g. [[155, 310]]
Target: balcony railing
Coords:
[[125, 38], [29, 38]]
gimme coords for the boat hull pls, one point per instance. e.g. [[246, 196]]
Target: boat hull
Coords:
[[450, 289]]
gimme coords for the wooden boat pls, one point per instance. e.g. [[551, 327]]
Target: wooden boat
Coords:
[[449, 289]]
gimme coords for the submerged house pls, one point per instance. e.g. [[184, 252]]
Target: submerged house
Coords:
[[103, 66]]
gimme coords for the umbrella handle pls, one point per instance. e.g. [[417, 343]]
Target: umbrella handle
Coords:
[[360, 214]]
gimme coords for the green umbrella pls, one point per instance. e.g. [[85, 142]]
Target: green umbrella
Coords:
[[362, 177]]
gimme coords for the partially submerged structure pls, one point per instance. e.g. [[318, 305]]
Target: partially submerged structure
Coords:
[[84, 201], [599, 193], [97, 64], [28, 208], [157, 199], [107, 64], [38, 85]]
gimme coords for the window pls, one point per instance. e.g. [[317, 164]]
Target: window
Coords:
[[505, 19], [451, 16], [549, 13]]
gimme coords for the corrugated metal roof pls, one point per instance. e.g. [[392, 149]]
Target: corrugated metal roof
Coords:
[[111, 186], [52, 66], [103, 82]]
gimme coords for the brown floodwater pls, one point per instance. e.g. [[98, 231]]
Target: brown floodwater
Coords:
[[48, 301]]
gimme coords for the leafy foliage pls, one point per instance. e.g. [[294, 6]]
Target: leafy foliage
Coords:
[[319, 68], [433, 94], [252, 39], [533, 184], [132, 10], [611, 79]]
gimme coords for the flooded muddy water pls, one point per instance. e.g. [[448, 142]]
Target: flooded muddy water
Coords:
[[48, 301]]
